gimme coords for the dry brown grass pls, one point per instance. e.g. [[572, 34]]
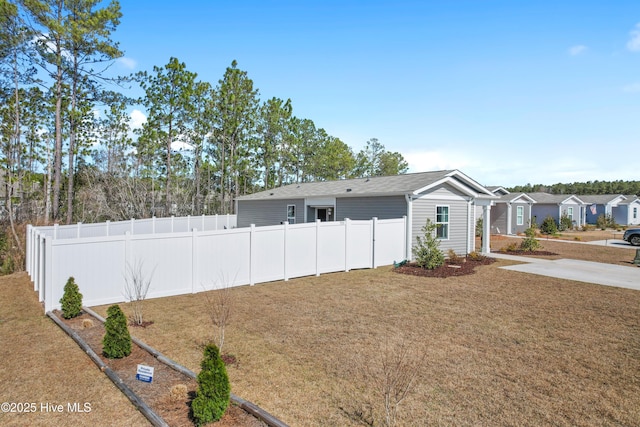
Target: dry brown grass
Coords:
[[40, 364], [581, 251], [502, 347]]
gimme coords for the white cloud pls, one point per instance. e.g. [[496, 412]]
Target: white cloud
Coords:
[[128, 63], [634, 42], [138, 118], [577, 50], [632, 88]]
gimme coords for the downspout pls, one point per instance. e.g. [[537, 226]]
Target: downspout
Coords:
[[509, 213], [471, 226], [409, 235]]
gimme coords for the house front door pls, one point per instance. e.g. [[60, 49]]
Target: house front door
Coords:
[[321, 214]]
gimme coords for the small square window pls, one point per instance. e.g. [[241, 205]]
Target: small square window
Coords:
[[291, 214]]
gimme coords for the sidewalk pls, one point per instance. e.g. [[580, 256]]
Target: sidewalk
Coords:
[[581, 271]]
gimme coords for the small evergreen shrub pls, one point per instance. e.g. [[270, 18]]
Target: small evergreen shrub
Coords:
[[549, 226], [116, 343], [479, 227], [212, 397], [530, 243], [566, 223], [427, 249], [71, 300]]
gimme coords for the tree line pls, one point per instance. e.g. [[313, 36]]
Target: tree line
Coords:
[[589, 187], [69, 151]]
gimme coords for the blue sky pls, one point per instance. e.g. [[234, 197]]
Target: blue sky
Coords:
[[509, 92]]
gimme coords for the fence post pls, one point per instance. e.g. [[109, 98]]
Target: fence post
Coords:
[[132, 222], [347, 225], [188, 222], [55, 231], [194, 259], [107, 227], [27, 259], [48, 284], [41, 267], [228, 224], [373, 243], [172, 223], [406, 255], [202, 228], [79, 226], [251, 254], [317, 247], [284, 231], [153, 224], [216, 221]]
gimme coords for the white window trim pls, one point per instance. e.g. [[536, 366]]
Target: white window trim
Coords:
[[291, 219], [519, 215], [448, 223], [570, 212]]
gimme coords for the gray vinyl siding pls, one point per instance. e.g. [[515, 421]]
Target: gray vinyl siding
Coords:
[[267, 212], [459, 224], [363, 208], [515, 228], [540, 211]]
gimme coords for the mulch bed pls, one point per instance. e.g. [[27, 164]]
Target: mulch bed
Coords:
[[450, 268], [157, 394]]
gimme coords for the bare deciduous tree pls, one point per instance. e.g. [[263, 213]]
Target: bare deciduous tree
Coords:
[[220, 306], [393, 374], [137, 285]]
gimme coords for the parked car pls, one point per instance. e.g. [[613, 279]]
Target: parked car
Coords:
[[632, 236]]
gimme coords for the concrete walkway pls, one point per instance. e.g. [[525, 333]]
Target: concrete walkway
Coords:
[[581, 271]]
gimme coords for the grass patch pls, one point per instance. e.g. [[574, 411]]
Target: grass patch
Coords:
[[501, 347]]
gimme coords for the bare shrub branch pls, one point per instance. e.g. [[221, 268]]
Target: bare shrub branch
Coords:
[[393, 375], [137, 286], [220, 304]]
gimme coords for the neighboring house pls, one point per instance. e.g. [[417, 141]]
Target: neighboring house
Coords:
[[448, 198], [511, 214], [557, 205], [628, 211], [604, 204]]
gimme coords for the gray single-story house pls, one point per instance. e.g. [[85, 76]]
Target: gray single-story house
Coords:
[[622, 208], [557, 205], [628, 209], [448, 198], [511, 213]]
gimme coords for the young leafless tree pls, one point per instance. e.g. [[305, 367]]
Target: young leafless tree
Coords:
[[137, 285], [393, 374], [220, 304]]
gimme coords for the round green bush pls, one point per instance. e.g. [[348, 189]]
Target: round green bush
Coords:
[[214, 391], [116, 343], [71, 300]]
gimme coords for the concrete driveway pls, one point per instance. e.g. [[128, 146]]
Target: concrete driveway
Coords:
[[581, 271]]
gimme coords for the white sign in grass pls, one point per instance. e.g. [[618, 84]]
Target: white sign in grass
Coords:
[[145, 373]]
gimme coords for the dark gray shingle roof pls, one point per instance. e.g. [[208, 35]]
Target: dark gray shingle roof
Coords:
[[372, 186]]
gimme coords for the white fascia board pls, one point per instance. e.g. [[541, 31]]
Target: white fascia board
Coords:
[[522, 196], [454, 183]]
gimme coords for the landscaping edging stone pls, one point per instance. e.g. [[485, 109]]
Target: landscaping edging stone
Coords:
[[152, 416]]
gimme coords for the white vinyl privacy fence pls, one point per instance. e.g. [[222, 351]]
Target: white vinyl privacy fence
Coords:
[[182, 262]]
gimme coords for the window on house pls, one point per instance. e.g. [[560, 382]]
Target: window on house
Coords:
[[570, 212], [291, 214], [635, 213], [442, 222], [520, 215]]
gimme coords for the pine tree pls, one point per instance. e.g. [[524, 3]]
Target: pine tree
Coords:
[[214, 391], [71, 300], [117, 340]]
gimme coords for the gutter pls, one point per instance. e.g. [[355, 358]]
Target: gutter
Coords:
[[408, 231]]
